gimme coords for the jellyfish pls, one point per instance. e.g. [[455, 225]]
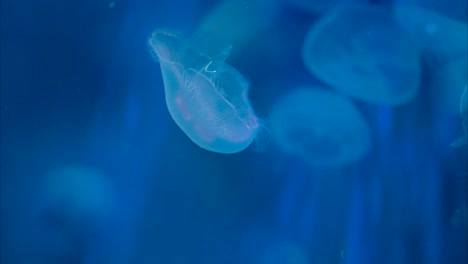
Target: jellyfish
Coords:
[[207, 98], [463, 138], [323, 128], [318, 6], [284, 253], [238, 21], [76, 197], [459, 220], [442, 39], [445, 85], [360, 51], [454, 9], [443, 45]]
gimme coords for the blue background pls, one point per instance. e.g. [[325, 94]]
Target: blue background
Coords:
[[79, 86]]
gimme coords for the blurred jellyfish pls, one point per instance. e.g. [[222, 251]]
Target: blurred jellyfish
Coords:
[[284, 253], [459, 219], [443, 43], [238, 21], [455, 9], [319, 6], [359, 50], [77, 198], [322, 127], [442, 39], [463, 138], [207, 98], [446, 85]]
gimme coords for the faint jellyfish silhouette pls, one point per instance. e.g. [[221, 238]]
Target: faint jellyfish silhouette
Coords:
[[443, 44], [463, 138], [320, 6], [454, 9], [323, 128], [359, 50], [207, 98], [459, 219], [446, 85], [284, 253], [77, 198], [443, 39], [238, 21]]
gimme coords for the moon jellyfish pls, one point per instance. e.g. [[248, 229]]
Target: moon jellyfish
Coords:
[[284, 253], [463, 138], [322, 127], [359, 50], [442, 39], [238, 21], [454, 9], [443, 44], [459, 220], [319, 6], [207, 98], [446, 85], [77, 197]]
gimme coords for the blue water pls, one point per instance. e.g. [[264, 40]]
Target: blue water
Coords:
[[95, 170]]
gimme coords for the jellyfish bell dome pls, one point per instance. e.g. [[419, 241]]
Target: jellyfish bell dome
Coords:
[[319, 6], [443, 44], [206, 97], [447, 84], [441, 39], [359, 50], [284, 252], [321, 127], [453, 9], [78, 197]]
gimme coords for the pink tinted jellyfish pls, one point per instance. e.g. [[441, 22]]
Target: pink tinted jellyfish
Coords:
[[207, 98]]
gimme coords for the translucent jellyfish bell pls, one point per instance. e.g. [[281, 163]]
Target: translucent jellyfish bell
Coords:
[[442, 39], [78, 197], [358, 49], [322, 127], [454, 9], [238, 21], [284, 253], [444, 46], [446, 85], [319, 6], [207, 98]]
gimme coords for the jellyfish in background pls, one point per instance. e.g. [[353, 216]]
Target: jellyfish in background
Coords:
[[446, 84], [443, 44], [207, 98], [77, 198], [320, 6], [454, 9], [323, 128], [440, 38], [359, 50], [463, 138], [284, 253], [238, 21]]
